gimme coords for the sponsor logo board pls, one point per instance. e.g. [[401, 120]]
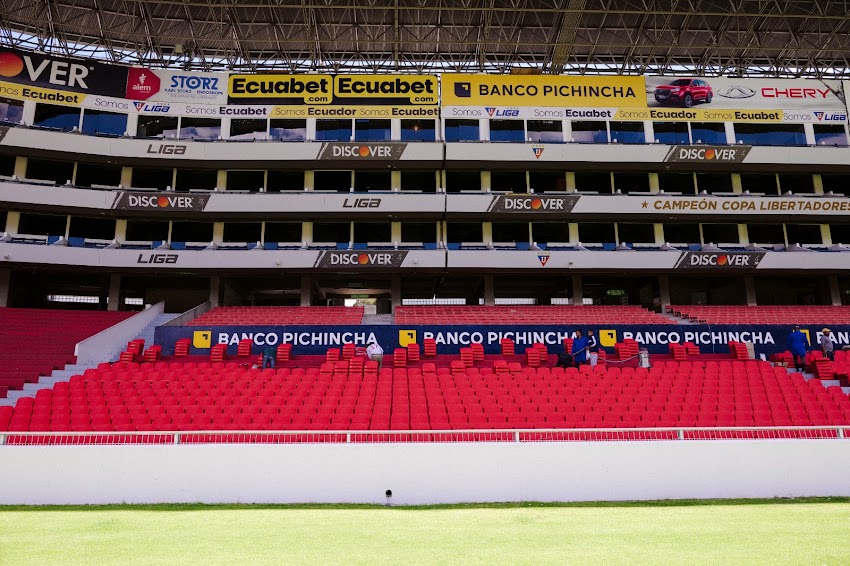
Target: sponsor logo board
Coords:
[[539, 90], [530, 204], [354, 111], [720, 260], [55, 72], [754, 205], [362, 151], [360, 259], [157, 258], [170, 202], [707, 154], [38, 94], [176, 86]]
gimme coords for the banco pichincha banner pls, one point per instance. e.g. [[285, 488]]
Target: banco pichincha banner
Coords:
[[656, 98], [339, 96], [315, 340]]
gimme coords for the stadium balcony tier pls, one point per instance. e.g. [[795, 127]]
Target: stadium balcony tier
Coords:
[[353, 395], [782, 314], [586, 314], [275, 316], [37, 341]]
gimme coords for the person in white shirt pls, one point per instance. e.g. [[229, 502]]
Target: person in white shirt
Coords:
[[827, 344], [592, 349], [375, 353]]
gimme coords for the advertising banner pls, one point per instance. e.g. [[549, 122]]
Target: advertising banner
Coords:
[[61, 73], [316, 340], [38, 94], [334, 90], [176, 86]]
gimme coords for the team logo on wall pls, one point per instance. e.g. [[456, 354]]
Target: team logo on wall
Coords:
[[355, 151], [538, 150], [170, 202], [715, 154], [719, 260], [543, 259], [527, 204], [360, 260]]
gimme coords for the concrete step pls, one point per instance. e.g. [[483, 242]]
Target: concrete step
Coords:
[[45, 382], [846, 390], [830, 382]]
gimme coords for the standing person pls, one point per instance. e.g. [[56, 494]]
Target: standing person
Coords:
[[375, 353], [798, 344], [827, 344], [269, 355], [592, 349], [580, 348]]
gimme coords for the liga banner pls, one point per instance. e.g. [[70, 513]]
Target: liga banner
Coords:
[[39, 94], [543, 90]]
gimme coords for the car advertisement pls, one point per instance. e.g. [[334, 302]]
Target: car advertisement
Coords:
[[176, 86], [723, 99], [60, 73]]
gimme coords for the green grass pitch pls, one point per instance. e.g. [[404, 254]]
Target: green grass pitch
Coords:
[[784, 532]]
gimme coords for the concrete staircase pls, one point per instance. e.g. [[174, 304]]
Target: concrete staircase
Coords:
[[70, 370], [148, 331]]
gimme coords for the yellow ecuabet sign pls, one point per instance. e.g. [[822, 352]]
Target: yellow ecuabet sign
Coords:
[[541, 90]]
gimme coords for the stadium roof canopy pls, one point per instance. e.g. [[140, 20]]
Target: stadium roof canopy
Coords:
[[708, 37]]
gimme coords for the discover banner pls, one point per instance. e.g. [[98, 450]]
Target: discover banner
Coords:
[[54, 72]]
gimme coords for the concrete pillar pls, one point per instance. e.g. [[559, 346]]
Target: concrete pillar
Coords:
[[126, 177], [571, 181], [826, 235], [132, 123], [309, 180], [395, 232], [218, 232], [654, 185], [834, 291], [121, 230], [20, 167], [395, 181], [28, 114], [221, 180], [817, 182], [743, 235], [13, 219], [658, 232], [215, 290], [572, 227], [487, 232], [664, 291], [737, 187], [114, 292], [395, 129], [484, 129], [578, 290], [307, 232], [5, 276], [730, 132], [225, 127], [485, 181], [750, 289], [395, 291], [489, 291], [306, 290]]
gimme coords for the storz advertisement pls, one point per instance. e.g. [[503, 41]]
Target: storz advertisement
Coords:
[[177, 86]]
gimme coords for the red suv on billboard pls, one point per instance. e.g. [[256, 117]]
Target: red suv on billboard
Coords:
[[684, 92]]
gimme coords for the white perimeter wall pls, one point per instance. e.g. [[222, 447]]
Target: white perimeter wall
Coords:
[[423, 473]]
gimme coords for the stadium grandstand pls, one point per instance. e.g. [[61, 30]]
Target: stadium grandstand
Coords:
[[191, 192]]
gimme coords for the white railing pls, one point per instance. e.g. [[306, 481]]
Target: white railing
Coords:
[[424, 436], [108, 344]]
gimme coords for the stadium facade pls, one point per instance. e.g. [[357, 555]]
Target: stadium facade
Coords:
[[312, 189]]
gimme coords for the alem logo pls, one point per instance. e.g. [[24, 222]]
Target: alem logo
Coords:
[[543, 258], [538, 151], [141, 84]]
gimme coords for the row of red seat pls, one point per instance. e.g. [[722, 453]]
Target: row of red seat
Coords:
[[191, 397], [37, 341], [512, 314], [782, 314], [273, 316]]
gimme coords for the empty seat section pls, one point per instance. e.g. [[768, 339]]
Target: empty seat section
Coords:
[[512, 314], [353, 395], [779, 314], [241, 316], [37, 341]]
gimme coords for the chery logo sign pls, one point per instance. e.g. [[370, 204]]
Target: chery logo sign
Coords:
[[360, 260], [719, 260]]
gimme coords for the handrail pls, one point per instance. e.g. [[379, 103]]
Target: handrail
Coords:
[[831, 432], [106, 345]]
